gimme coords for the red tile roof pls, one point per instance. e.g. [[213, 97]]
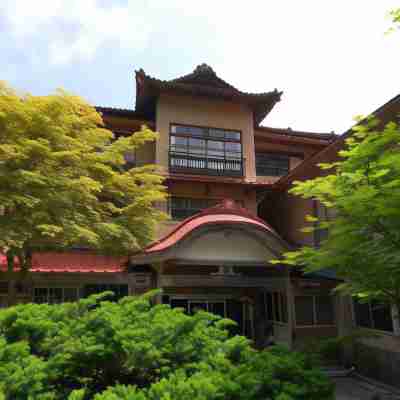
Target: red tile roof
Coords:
[[226, 213], [72, 262]]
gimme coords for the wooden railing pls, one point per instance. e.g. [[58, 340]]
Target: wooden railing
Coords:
[[185, 163]]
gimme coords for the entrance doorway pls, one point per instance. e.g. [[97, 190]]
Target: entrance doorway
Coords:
[[240, 312]]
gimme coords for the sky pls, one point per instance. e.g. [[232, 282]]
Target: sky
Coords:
[[331, 58]]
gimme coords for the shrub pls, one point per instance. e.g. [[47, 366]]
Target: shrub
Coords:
[[102, 350]]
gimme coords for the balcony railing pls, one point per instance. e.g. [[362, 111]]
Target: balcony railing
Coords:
[[191, 164]]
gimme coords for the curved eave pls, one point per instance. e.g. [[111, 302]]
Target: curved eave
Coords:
[[148, 89]]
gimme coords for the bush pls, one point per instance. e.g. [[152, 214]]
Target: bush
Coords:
[[102, 350]]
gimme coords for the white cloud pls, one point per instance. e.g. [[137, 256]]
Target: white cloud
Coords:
[[74, 29], [330, 58]]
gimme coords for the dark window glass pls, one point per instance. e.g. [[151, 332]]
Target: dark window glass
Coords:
[[181, 303], [363, 314], [182, 207], [284, 308], [324, 310], [268, 303], [235, 312], [304, 306], [382, 317], [4, 287], [217, 308], [55, 295], [40, 295], [277, 311], [268, 164]]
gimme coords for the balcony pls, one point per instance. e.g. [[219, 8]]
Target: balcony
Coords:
[[200, 165]]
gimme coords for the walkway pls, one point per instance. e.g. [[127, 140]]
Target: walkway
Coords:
[[352, 388]]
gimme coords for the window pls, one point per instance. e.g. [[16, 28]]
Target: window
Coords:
[[55, 295], [323, 214], [118, 290], [314, 310], [276, 306], [270, 164], [183, 207], [373, 315], [208, 149]]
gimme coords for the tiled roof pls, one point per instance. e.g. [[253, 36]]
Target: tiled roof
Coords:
[[309, 169], [228, 212], [72, 262], [121, 112], [290, 132], [203, 81]]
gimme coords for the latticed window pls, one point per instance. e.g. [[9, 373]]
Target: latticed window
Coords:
[[271, 164], [211, 150], [55, 295], [184, 207]]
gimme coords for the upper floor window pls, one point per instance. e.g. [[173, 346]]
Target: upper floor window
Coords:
[[205, 150], [184, 207], [270, 164], [373, 315]]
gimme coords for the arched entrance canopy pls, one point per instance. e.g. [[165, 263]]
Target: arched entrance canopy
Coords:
[[222, 235]]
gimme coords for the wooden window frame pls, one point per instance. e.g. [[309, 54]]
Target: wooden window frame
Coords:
[[272, 155], [211, 201], [280, 307], [207, 163], [48, 297], [315, 319]]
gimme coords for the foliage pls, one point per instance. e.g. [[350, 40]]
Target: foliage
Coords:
[[363, 190], [102, 350], [64, 181], [394, 16], [332, 350]]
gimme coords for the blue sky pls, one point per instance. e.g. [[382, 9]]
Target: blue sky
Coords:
[[330, 58]]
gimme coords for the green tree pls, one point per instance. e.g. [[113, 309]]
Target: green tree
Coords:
[[103, 350], [64, 182], [363, 190]]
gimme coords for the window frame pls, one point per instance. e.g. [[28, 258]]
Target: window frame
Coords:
[[225, 159], [280, 310], [211, 202], [48, 296], [272, 155], [314, 309]]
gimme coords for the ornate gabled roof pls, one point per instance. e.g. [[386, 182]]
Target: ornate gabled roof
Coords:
[[227, 212], [203, 81]]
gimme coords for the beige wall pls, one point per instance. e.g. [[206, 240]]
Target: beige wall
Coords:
[[286, 213], [204, 112]]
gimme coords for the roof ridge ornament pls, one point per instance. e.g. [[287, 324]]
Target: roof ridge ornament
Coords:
[[204, 69]]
